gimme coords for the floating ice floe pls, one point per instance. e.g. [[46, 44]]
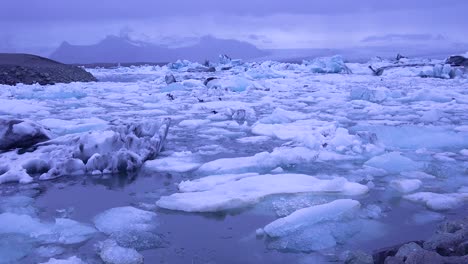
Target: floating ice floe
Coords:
[[111, 253], [130, 227], [229, 192], [393, 162], [406, 185], [177, 162], [438, 201], [122, 149], [63, 231], [320, 227]]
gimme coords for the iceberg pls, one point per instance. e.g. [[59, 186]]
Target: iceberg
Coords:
[[121, 149], [333, 64]]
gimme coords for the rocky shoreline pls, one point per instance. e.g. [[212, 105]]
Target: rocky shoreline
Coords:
[[30, 69], [448, 245]]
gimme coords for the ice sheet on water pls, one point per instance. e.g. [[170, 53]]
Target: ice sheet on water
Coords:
[[230, 192]]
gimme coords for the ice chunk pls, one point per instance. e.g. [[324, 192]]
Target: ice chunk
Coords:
[[177, 162], [321, 226], [406, 186], [112, 253], [21, 133], [280, 115], [333, 64], [67, 231], [227, 192], [15, 175], [393, 162], [70, 260], [233, 83], [63, 231], [371, 95], [442, 71], [303, 218], [125, 219], [438, 201], [173, 87]]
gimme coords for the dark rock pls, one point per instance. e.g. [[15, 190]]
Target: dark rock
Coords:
[[170, 79], [30, 69], [457, 61], [16, 133], [208, 80]]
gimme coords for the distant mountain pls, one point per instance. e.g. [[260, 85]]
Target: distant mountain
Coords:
[[122, 50]]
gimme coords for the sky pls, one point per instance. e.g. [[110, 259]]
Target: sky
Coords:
[[41, 25]]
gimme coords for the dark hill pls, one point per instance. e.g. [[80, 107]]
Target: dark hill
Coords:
[[28, 69]]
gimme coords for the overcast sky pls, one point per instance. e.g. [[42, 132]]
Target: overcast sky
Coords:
[[44, 24]]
